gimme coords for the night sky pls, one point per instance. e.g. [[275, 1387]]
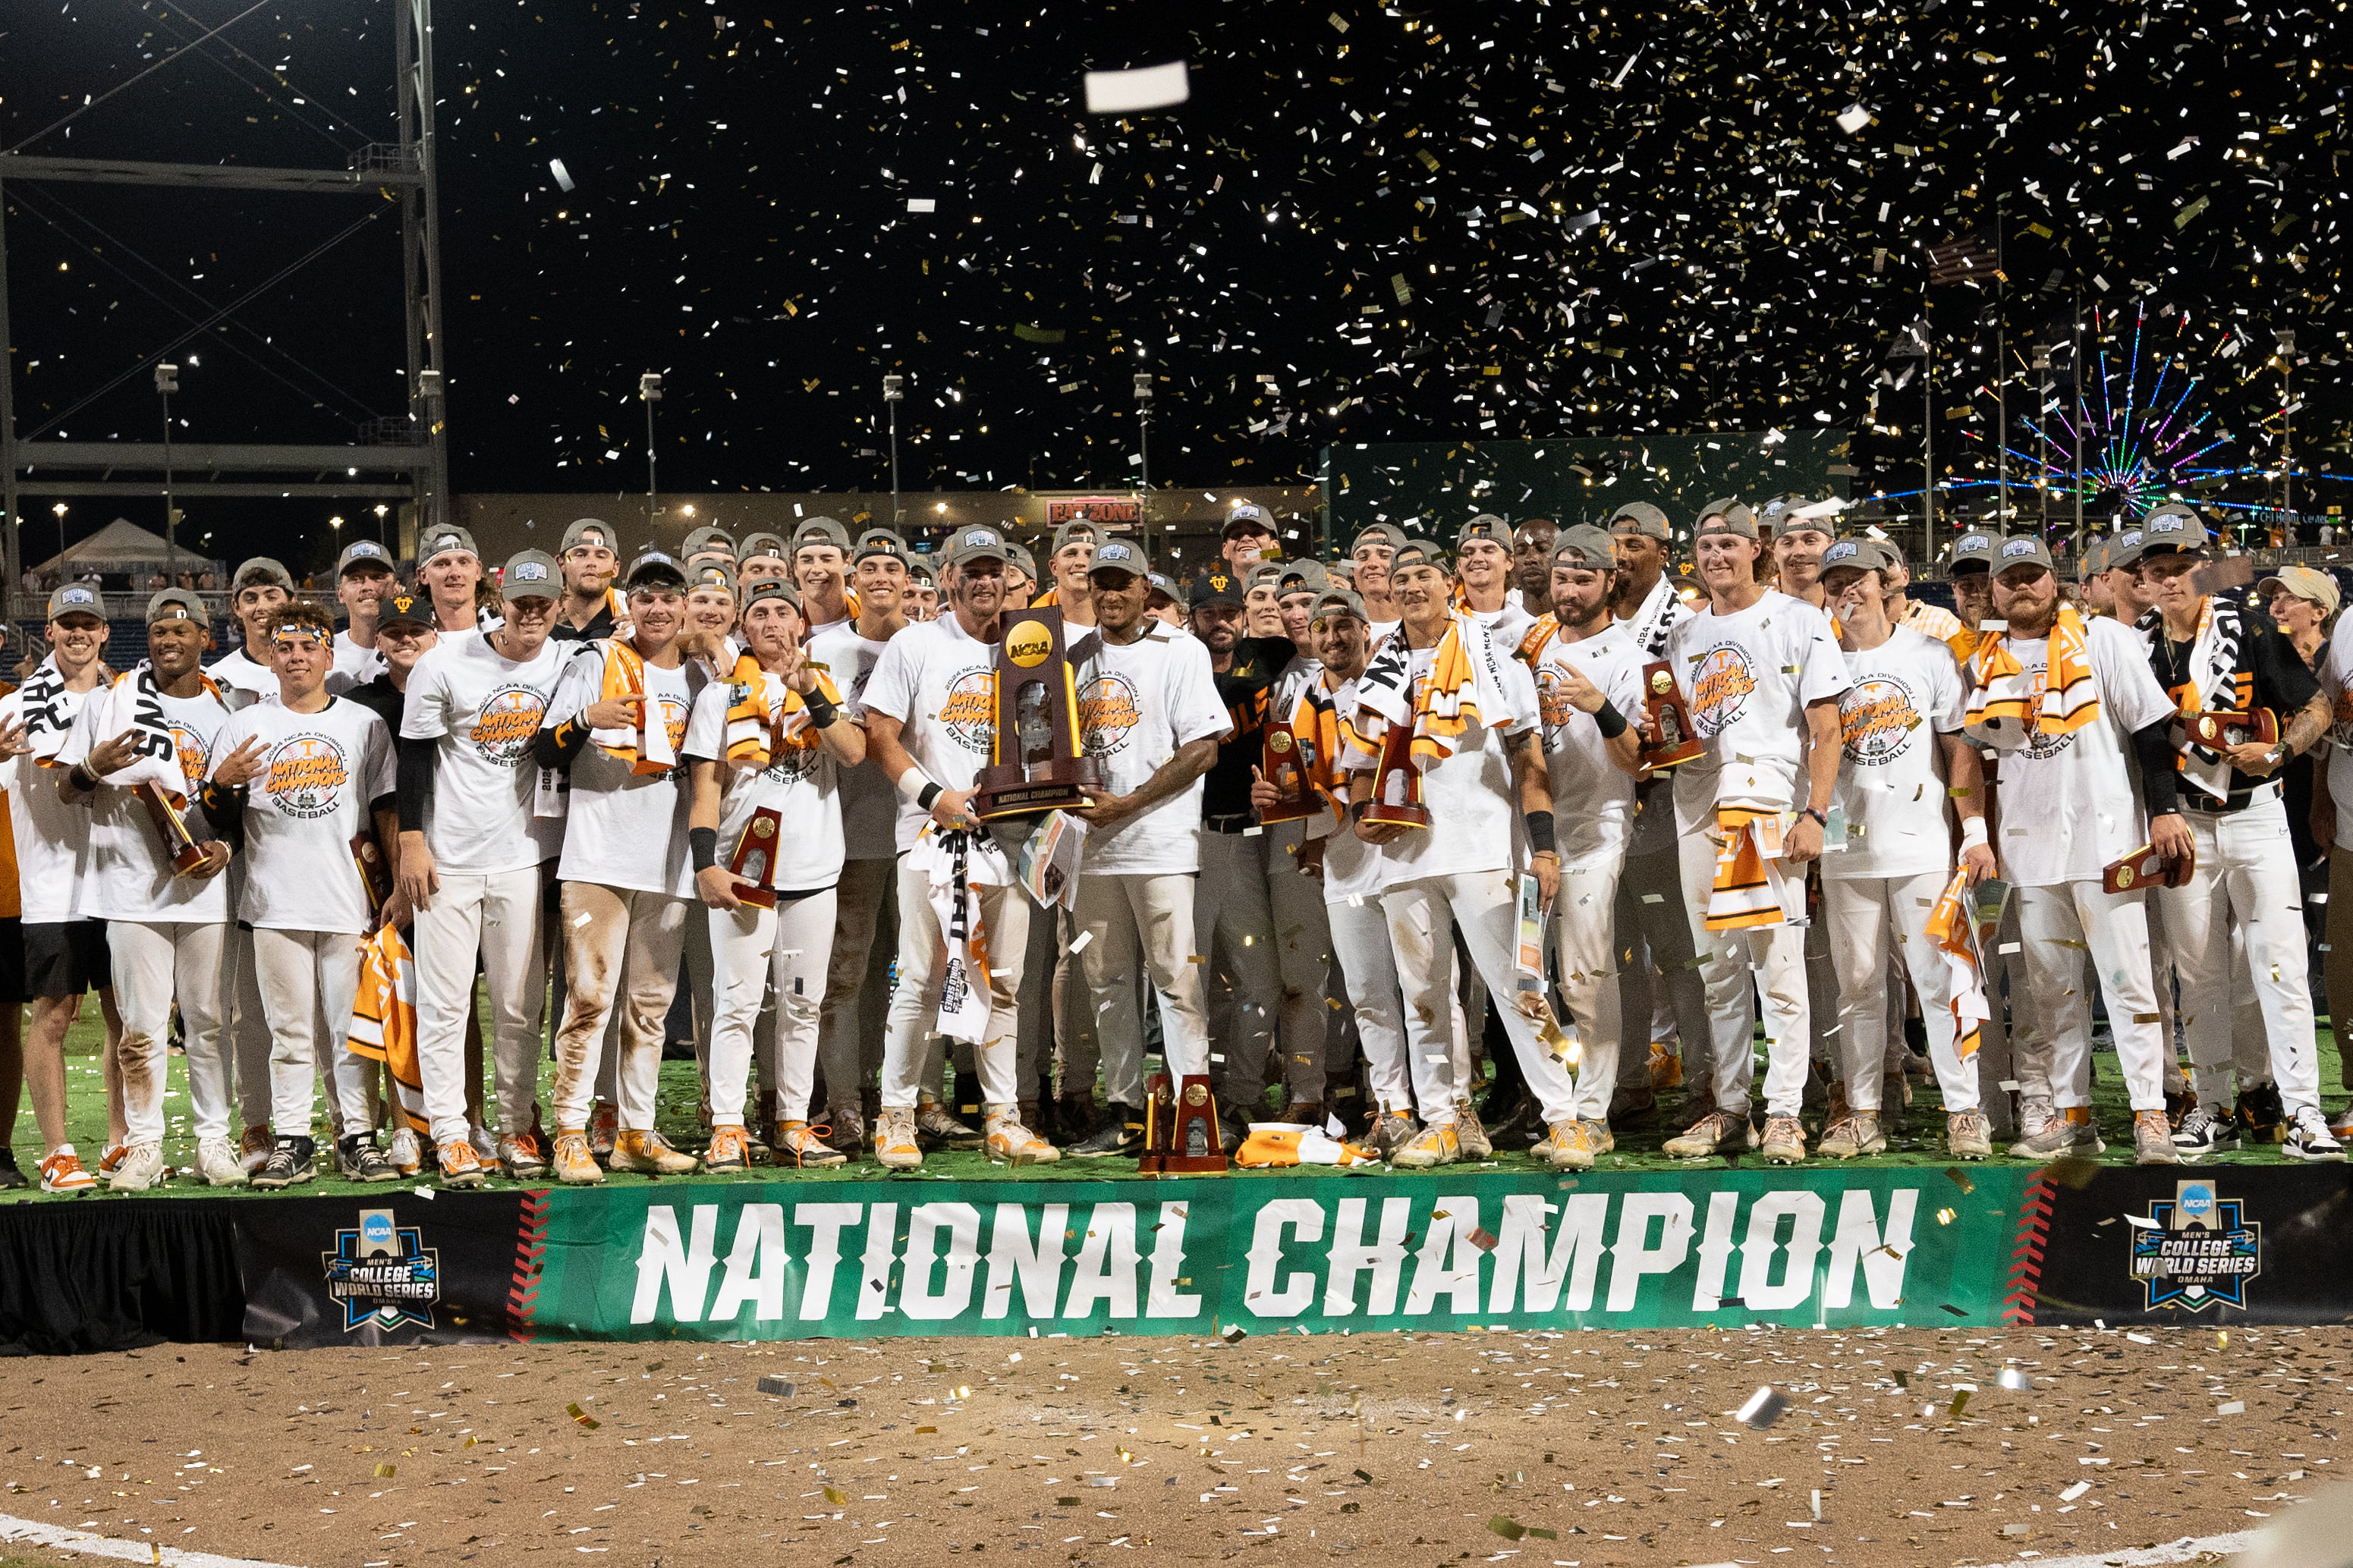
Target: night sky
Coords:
[[1470, 220]]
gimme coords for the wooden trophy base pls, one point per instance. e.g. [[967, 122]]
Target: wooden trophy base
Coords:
[[1159, 1107], [2216, 730], [1298, 810], [1015, 791], [1403, 816], [1660, 762]]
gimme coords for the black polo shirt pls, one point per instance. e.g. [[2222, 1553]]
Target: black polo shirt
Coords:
[[2270, 674], [1244, 689]]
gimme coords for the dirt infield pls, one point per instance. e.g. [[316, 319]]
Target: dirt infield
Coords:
[[1601, 1451]]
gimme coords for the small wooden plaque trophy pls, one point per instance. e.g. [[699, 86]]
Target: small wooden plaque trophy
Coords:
[[1039, 763], [1180, 1129], [1289, 759], [188, 855], [755, 858], [1670, 739], [375, 874], [2143, 868], [2216, 730], [1397, 782]]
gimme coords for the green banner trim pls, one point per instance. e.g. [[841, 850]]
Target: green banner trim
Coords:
[[1812, 1247]]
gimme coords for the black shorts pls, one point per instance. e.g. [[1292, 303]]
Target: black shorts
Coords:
[[12, 962], [66, 959]]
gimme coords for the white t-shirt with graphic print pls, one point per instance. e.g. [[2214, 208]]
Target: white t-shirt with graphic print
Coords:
[[939, 683], [869, 801], [1906, 693], [1138, 704], [624, 829], [803, 785], [1748, 677], [485, 709], [320, 774]]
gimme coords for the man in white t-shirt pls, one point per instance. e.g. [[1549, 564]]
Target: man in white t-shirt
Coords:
[[1474, 712], [931, 721], [363, 580], [471, 847], [766, 749], [618, 720], [1372, 551], [1761, 676], [1800, 533], [258, 589], [65, 952], [2069, 806], [300, 783], [1901, 757], [1483, 565], [1149, 714], [821, 566], [449, 571], [1663, 998], [857, 981], [139, 751], [1311, 698], [1589, 680]]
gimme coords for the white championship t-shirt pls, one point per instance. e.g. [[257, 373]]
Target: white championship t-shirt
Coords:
[[869, 805], [320, 771], [2071, 803], [127, 874], [1506, 627], [1138, 704], [1906, 692], [939, 685], [485, 709], [1592, 797], [243, 680], [1748, 677], [802, 786], [2336, 674], [355, 666], [52, 835], [1475, 816], [624, 829], [1353, 870]]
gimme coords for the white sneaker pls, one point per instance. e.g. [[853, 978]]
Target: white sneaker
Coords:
[[408, 1156], [2308, 1138], [142, 1168], [217, 1163]]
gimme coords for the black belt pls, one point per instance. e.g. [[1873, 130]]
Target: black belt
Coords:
[[1235, 822]]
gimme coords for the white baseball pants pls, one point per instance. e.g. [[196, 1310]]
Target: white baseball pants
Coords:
[[1870, 917], [790, 946], [1585, 930], [617, 942], [1778, 955], [1482, 906], [915, 1002], [1142, 919], [307, 979], [1367, 966], [2055, 925], [152, 963], [499, 919]]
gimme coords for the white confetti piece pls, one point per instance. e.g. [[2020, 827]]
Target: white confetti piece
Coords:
[[1147, 86]]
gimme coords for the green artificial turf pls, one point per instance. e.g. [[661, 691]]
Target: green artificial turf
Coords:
[[1920, 1144]]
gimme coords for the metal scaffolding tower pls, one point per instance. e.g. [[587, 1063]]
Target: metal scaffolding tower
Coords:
[[394, 458]]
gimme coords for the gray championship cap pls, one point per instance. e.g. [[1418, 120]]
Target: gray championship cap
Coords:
[[1640, 517], [709, 538], [1023, 562], [1973, 552], [76, 599], [1247, 517], [1727, 516], [978, 542], [763, 544], [2023, 550], [443, 541], [771, 588], [177, 604], [1117, 557], [1862, 553], [531, 574], [821, 531], [1339, 602], [1300, 577], [362, 553], [1585, 545], [262, 571], [593, 532], [1387, 533], [2173, 530], [1486, 526], [654, 566]]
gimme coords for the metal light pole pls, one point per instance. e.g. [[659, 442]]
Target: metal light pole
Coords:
[[2287, 429], [61, 511], [167, 381], [1143, 457], [650, 392], [1927, 434], [2043, 442], [892, 391]]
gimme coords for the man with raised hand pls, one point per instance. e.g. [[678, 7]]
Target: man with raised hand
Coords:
[[1149, 712], [821, 567], [931, 721], [363, 580], [1929, 620], [1483, 563], [1902, 759], [2070, 704], [1348, 872], [1376, 546], [295, 784], [153, 729], [2213, 655], [767, 748], [65, 952], [592, 608], [1762, 676], [1472, 716], [617, 719], [449, 571], [1660, 987], [471, 853], [1589, 681], [857, 981], [258, 589]]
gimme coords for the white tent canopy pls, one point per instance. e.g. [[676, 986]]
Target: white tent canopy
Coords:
[[123, 546]]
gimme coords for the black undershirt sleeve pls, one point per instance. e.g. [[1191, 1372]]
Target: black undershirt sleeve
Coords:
[[415, 782], [555, 746], [2160, 780], [225, 809]]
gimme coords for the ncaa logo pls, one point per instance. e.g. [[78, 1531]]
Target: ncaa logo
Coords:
[[376, 1232], [2197, 1200]]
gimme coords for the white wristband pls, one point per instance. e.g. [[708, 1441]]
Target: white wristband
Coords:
[[912, 783], [1973, 832]]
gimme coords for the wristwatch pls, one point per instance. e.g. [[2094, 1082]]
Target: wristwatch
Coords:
[[1819, 818]]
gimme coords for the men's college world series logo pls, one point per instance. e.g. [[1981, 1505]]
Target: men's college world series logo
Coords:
[[383, 1273], [2196, 1247]]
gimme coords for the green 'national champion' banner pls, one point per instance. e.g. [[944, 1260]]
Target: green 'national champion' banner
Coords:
[[782, 1260]]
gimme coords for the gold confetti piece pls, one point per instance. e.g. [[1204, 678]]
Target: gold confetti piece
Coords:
[[922, 1429], [1960, 1403], [384, 1472], [1484, 1240], [1960, 1179], [2147, 1018], [2071, 1171], [582, 1417], [1945, 1216], [835, 1497]]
